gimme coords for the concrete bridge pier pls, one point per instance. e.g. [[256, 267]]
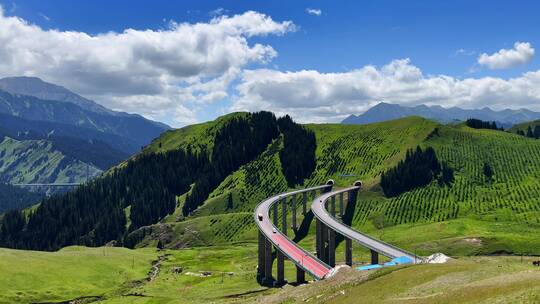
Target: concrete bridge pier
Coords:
[[283, 216], [300, 275], [261, 263], [275, 214], [333, 206], [293, 210], [319, 240], [268, 279], [331, 248], [324, 243], [348, 251], [304, 203], [341, 210], [280, 269], [374, 257]]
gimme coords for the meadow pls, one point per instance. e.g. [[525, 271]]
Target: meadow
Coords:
[[215, 247]]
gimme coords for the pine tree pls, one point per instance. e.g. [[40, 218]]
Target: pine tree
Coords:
[[488, 171], [230, 201], [418, 169], [530, 133], [536, 132]]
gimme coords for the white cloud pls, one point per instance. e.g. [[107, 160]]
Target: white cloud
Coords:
[[144, 71], [521, 54], [175, 73], [218, 12], [465, 52], [311, 96], [314, 11], [45, 17]]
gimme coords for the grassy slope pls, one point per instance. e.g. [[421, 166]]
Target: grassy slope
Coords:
[[35, 161], [474, 216], [467, 280], [30, 276], [118, 275], [231, 275], [477, 280], [364, 151], [494, 216], [524, 126], [504, 213], [197, 136]]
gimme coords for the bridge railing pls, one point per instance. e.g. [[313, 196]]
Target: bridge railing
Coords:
[[356, 188], [272, 204]]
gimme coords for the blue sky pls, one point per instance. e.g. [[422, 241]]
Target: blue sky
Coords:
[[438, 37]]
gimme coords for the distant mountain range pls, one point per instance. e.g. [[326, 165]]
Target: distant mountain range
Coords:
[[49, 134], [386, 111], [29, 98]]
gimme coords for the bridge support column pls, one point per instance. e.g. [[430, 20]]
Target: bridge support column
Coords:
[[318, 233], [374, 257], [261, 264], [280, 269], [304, 203], [341, 210], [275, 214], [267, 280], [293, 209], [300, 275], [348, 251], [331, 247], [333, 206], [284, 216], [324, 242]]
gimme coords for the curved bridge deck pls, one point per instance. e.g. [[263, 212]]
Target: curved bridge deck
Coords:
[[269, 230], [321, 265], [321, 213]]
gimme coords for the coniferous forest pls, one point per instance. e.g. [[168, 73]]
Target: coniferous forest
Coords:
[[480, 124], [14, 197], [298, 154], [144, 190], [238, 142], [531, 133], [419, 168]]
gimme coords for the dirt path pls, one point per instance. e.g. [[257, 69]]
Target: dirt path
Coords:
[[156, 267]]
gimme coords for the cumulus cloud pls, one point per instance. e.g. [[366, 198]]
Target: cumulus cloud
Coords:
[[314, 11], [144, 70], [521, 54], [311, 96]]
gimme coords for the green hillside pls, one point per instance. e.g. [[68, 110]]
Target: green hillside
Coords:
[[465, 280], [227, 275], [36, 161], [12, 197], [119, 275], [476, 215], [196, 136], [341, 150], [502, 214], [524, 126]]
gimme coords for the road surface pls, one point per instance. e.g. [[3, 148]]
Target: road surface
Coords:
[[320, 212], [290, 249]]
